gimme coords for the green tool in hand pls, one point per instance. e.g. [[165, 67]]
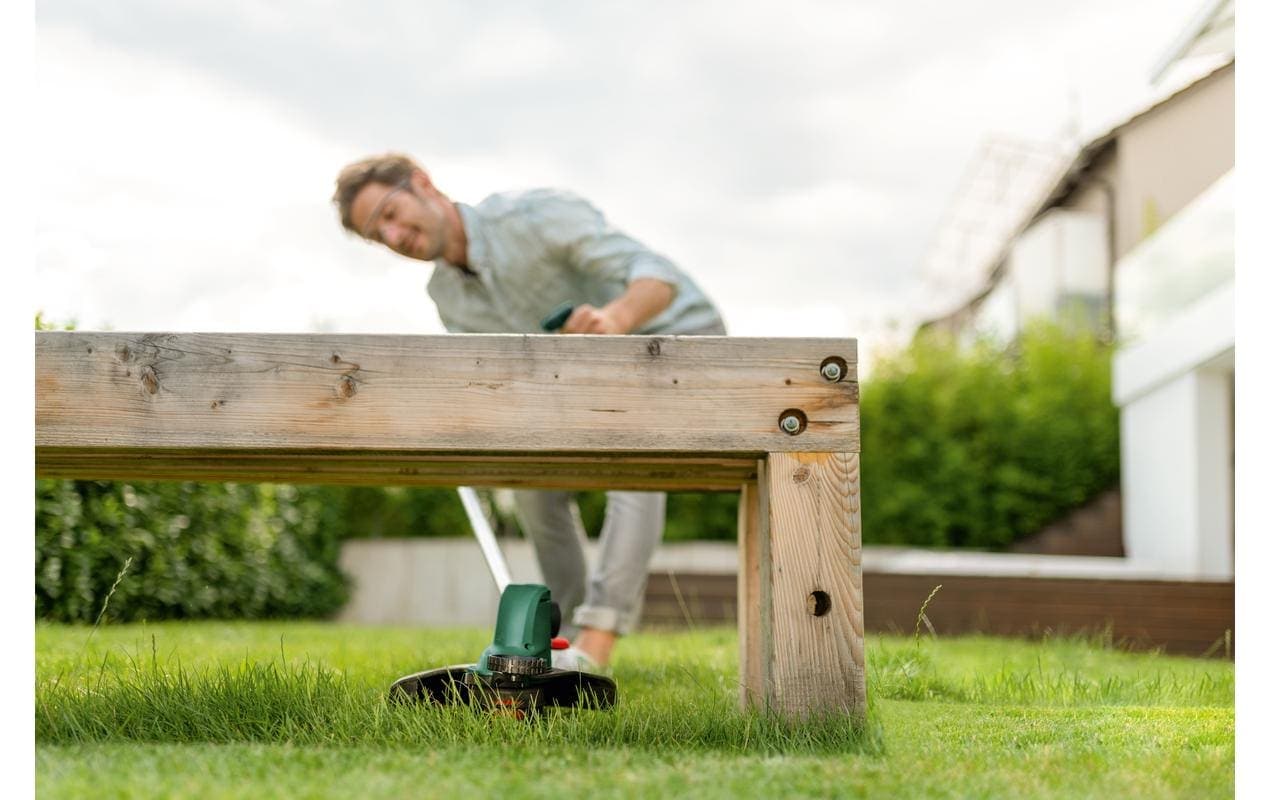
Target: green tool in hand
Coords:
[[558, 317]]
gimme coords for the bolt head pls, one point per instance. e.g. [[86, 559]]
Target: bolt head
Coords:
[[831, 371], [790, 424]]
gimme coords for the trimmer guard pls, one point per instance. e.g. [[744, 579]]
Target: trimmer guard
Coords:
[[518, 693]]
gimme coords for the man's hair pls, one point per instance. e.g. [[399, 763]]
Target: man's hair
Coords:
[[390, 169]]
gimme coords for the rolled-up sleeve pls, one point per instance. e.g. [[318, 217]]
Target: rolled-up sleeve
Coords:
[[578, 233]]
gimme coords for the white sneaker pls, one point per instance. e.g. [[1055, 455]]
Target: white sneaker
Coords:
[[571, 658]]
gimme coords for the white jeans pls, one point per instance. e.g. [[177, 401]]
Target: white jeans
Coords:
[[612, 598]]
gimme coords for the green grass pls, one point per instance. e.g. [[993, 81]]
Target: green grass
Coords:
[[297, 710]]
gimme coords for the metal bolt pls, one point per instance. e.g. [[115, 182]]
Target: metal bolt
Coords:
[[831, 371], [790, 424]]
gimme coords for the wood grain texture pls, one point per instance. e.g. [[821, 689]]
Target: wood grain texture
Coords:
[[818, 661], [633, 471], [455, 393]]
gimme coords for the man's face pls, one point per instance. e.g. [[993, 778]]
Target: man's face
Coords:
[[408, 218]]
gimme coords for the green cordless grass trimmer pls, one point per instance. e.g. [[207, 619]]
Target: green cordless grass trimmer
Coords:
[[515, 673]]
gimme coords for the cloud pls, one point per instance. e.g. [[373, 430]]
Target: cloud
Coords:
[[170, 200]]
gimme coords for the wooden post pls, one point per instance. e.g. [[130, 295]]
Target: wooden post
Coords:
[[803, 640]]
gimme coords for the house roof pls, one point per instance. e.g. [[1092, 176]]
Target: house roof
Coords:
[[1211, 30], [1087, 155], [1070, 179]]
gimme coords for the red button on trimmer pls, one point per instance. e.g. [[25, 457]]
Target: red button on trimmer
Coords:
[[560, 643]]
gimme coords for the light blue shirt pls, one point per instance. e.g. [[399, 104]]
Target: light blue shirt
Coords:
[[532, 251]]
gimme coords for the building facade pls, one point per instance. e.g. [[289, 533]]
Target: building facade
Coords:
[[1135, 238]]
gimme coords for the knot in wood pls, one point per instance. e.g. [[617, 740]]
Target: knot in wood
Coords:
[[801, 475], [149, 380], [654, 347], [348, 387]]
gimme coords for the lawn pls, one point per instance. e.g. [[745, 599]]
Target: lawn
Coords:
[[296, 710]]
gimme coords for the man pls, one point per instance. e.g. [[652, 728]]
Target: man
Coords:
[[500, 267]]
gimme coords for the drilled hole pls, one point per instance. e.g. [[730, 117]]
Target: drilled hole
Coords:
[[834, 369], [792, 421], [818, 603]]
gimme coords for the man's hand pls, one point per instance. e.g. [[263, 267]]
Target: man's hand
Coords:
[[589, 319], [644, 299]]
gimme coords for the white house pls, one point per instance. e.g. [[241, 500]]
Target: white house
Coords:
[[1136, 236]]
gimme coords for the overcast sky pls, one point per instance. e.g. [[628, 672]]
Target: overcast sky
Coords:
[[794, 156]]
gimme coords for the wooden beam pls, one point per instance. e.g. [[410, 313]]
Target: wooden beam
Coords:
[[632, 471], [814, 656], [129, 392]]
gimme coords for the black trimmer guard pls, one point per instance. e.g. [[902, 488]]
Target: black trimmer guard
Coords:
[[519, 694]]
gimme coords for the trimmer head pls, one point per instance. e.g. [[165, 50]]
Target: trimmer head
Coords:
[[515, 672]]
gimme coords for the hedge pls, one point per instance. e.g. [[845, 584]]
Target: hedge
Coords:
[[224, 550], [979, 446], [372, 512], [197, 551]]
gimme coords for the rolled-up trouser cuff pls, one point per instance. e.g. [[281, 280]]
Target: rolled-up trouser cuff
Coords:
[[605, 619]]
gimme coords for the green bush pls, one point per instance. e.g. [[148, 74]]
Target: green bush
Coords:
[[977, 447], [223, 550], [391, 512], [374, 512], [197, 551]]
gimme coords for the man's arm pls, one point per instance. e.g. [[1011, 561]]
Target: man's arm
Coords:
[[644, 299], [578, 233]]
